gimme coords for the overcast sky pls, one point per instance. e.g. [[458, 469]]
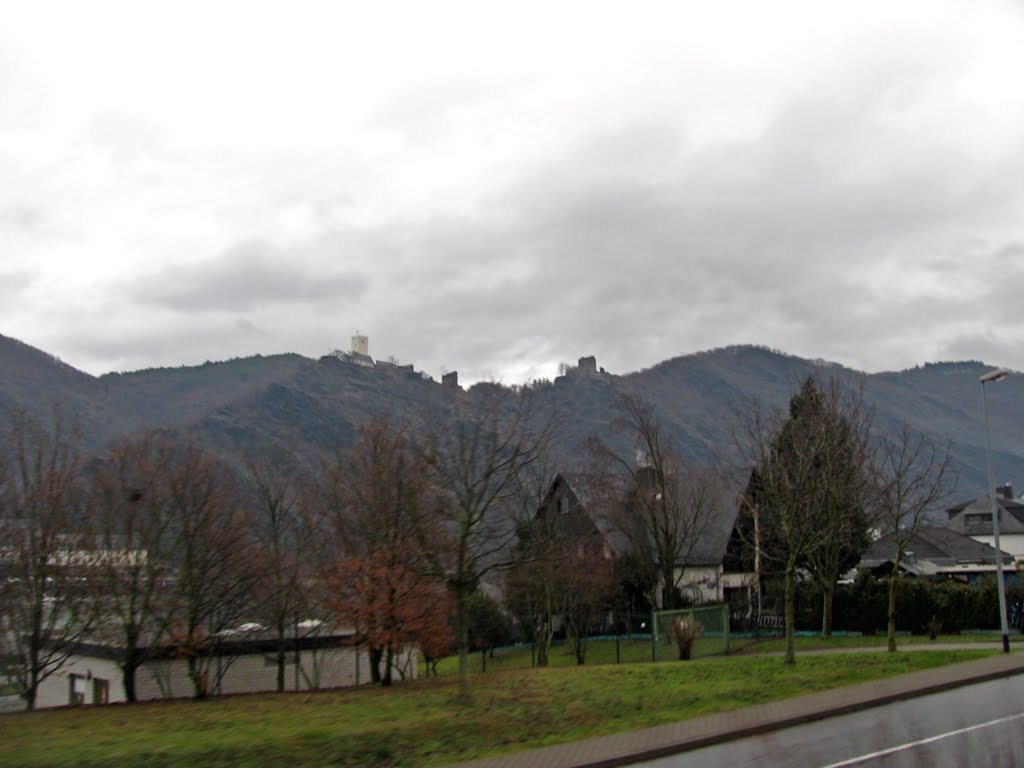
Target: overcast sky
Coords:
[[498, 187]]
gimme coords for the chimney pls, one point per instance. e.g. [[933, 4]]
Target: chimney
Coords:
[[1005, 491]]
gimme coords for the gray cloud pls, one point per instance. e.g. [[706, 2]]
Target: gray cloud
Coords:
[[861, 204], [245, 277], [14, 283], [992, 348]]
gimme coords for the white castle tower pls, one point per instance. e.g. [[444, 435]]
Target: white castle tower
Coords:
[[361, 345]]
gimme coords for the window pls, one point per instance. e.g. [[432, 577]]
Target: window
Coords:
[[100, 691]]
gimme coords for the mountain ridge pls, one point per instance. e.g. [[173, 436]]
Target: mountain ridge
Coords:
[[314, 407]]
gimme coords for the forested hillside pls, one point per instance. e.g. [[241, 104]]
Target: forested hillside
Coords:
[[314, 407]]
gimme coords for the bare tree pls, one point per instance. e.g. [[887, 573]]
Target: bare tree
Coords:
[[215, 574], [46, 606], [479, 455], [914, 477], [655, 498], [587, 591], [128, 496], [287, 549], [802, 482], [549, 579], [847, 486]]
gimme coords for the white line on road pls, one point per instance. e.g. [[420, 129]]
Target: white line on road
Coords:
[[912, 744]]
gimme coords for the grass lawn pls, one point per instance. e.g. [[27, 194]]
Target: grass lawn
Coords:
[[561, 655], [778, 644], [418, 723]]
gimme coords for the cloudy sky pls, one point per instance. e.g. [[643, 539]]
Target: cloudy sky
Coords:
[[498, 187]]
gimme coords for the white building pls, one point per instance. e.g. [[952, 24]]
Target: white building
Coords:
[[92, 675], [974, 518]]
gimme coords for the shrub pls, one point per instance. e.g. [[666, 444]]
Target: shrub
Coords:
[[686, 632]]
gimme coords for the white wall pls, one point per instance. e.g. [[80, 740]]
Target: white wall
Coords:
[[55, 690], [251, 673], [1010, 543], [702, 580]]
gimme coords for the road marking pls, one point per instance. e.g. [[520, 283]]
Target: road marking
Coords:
[[929, 740]]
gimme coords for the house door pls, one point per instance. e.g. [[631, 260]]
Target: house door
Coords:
[[100, 691], [76, 690]]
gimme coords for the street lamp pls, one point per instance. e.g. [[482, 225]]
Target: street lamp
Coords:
[[995, 375]]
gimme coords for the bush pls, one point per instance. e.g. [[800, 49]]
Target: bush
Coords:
[[920, 605], [686, 631]]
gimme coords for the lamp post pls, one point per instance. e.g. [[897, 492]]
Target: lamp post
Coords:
[[995, 375]]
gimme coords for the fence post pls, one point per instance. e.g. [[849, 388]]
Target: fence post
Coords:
[[654, 638]]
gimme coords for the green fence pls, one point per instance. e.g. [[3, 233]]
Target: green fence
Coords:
[[714, 642]]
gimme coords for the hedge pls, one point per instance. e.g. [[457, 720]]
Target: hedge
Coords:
[[956, 606]]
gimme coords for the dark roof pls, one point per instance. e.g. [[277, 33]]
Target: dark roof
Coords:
[[709, 549], [942, 548], [1014, 506], [1011, 521], [233, 646]]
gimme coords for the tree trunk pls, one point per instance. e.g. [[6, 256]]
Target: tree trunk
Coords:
[[130, 662], [375, 655], [828, 592], [35, 648], [281, 656], [195, 674], [757, 565], [462, 638], [543, 641], [389, 662], [128, 674], [891, 629], [668, 592], [790, 592], [33, 686]]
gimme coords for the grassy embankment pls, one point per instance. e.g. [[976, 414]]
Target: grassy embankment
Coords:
[[418, 723], [778, 645], [603, 651]]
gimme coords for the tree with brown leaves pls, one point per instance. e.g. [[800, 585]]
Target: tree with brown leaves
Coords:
[[372, 496], [389, 605]]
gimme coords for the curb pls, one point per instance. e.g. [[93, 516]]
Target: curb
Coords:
[[664, 740]]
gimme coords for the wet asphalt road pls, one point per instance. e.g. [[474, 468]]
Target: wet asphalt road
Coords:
[[978, 725]]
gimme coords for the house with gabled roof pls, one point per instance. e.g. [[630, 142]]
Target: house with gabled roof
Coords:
[[935, 552], [974, 518], [607, 522]]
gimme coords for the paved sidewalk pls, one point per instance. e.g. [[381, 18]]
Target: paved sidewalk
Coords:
[[904, 648], [626, 748]]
